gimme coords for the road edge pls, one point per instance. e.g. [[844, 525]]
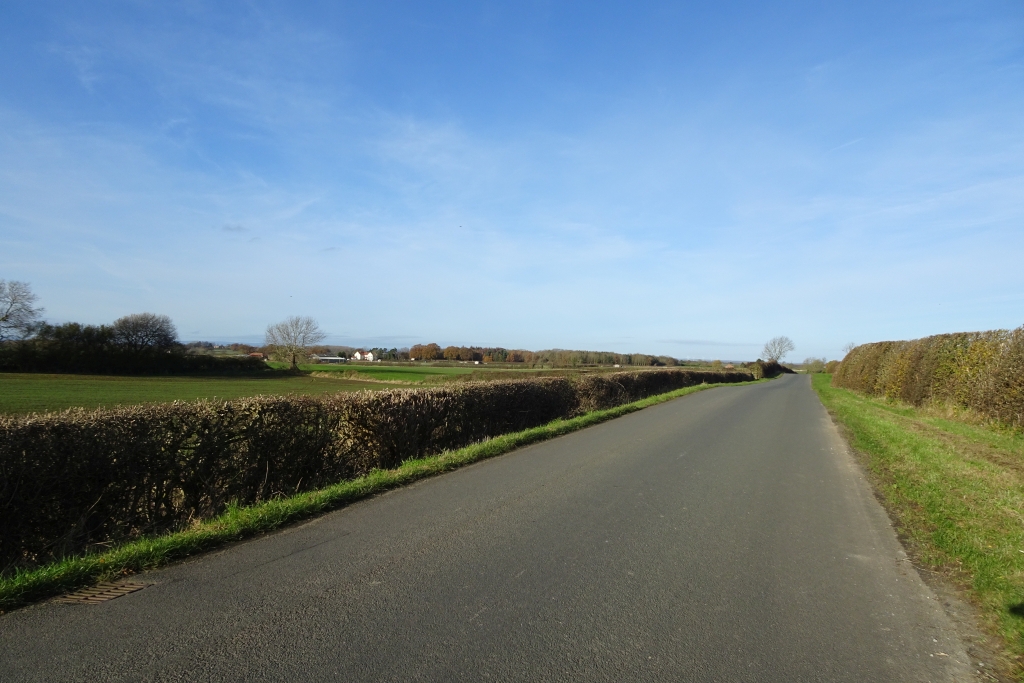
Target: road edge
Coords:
[[964, 616]]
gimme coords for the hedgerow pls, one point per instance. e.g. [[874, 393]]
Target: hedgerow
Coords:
[[80, 480], [980, 371]]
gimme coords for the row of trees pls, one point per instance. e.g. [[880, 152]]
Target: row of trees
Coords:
[[136, 333], [774, 351], [555, 357], [140, 343], [434, 352], [20, 319], [294, 339]]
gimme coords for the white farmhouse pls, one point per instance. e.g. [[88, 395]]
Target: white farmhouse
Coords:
[[363, 355]]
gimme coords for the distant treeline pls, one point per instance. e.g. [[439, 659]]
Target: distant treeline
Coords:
[[980, 371], [554, 357], [124, 348], [560, 358]]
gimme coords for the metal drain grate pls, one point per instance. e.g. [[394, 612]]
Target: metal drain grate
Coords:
[[101, 592]]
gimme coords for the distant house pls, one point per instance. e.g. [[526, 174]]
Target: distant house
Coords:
[[362, 355], [257, 355]]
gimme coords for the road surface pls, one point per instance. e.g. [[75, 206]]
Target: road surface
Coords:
[[723, 536]]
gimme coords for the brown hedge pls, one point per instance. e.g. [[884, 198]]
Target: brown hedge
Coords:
[[980, 371], [80, 480]]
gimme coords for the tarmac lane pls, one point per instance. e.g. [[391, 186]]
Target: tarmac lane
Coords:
[[723, 536]]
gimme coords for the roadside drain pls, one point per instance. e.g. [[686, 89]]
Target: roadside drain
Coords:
[[101, 592]]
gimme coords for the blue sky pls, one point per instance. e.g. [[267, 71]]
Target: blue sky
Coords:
[[687, 179]]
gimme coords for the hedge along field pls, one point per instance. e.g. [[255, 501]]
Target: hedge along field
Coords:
[[982, 372], [78, 481]]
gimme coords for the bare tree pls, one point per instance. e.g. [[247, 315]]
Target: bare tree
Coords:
[[849, 347], [140, 331], [17, 315], [777, 348], [291, 338]]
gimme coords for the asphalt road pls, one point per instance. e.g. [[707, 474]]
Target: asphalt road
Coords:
[[724, 536]]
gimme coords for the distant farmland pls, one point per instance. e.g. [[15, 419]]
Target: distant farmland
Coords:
[[417, 373], [36, 392], [27, 393]]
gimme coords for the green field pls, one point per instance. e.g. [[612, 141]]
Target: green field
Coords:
[[36, 393], [28, 393], [415, 373], [401, 373]]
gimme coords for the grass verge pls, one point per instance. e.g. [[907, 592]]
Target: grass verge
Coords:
[[237, 523], [955, 492]]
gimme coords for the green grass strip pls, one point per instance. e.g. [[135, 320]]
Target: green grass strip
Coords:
[[955, 492], [237, 523]]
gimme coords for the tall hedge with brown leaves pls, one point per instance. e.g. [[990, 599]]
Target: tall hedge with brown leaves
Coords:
[[80, 479], [981, 371]]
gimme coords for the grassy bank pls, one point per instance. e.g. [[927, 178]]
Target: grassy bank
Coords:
[[956, 494], [237, 523]]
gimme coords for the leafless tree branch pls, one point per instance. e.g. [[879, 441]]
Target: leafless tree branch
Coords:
[[17, 314]]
